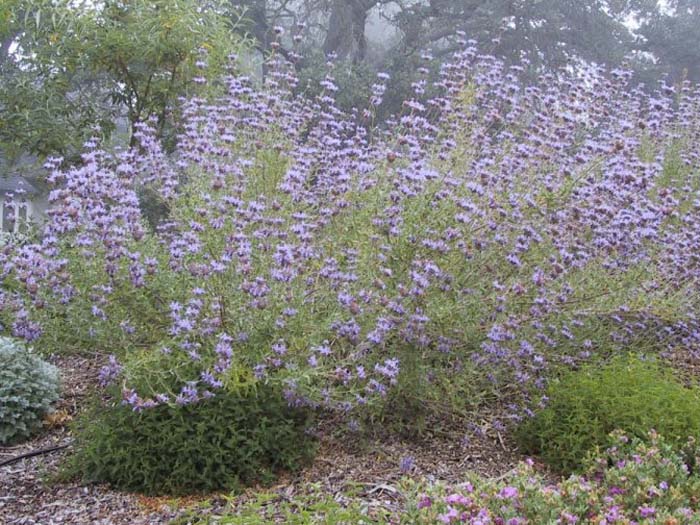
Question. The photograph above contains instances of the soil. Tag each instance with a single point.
(28, 495)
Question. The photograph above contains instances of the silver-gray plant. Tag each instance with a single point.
(28, 387)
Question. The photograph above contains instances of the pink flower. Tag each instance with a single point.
(569, 518)
(425, 502)
(450, 516)
(508, 493)
(457, 499)
(616, 491)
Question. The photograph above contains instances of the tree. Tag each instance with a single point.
(546, 33)
(47, 103)
(8, 30)
(80, 65)
(149, 49)
(671, 35)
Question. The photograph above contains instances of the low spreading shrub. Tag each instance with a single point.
(628, 393)
(28, 387)
(221, 443)
(635, 481)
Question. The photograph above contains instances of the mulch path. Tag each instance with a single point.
(370, 468)
(28, 496)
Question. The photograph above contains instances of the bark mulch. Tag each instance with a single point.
(370, 468)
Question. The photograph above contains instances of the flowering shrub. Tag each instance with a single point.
(629, 394)
(28, 387)
(493, 232)
(632, 482)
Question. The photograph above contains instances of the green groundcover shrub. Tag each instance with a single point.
(629, 393)
(221, 443)
(650, 481)
(28, 387)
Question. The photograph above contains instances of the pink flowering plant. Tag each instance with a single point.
(487, 235)
(643, 482)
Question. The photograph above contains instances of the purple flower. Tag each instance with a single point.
(323, 349)
(389, 369)
(110, 372)
(407, 464)
(425, 502)
(450, 516)
(279, 348)
(508, 493)
(457, 499)
(616, 491)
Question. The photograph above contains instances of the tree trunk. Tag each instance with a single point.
(257, 13)
(346, 30)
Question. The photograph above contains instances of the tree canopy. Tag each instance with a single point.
(546, 33)
(70, 68)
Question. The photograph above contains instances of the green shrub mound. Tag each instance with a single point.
(629, 393)
(28, 387)
(230, 440)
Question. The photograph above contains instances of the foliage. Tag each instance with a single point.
(50, 116)
(242, 436)
(311, 508)
(49, 102)
(496, 235)
(28, 388)
(139, 57)
(150, 52)
(382, 35)
(353, 81)
(670, 36)
(78, 67)
(636, 481)
(628, 393)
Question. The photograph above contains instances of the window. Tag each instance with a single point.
(22, 225)
(13, 216)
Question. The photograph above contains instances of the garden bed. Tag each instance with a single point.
(368, 468)
(449, 281)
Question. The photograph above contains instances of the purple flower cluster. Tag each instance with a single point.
(495, 226)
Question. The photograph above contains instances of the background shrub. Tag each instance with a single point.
(629, 393)
(217, 444)
(28, 388)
